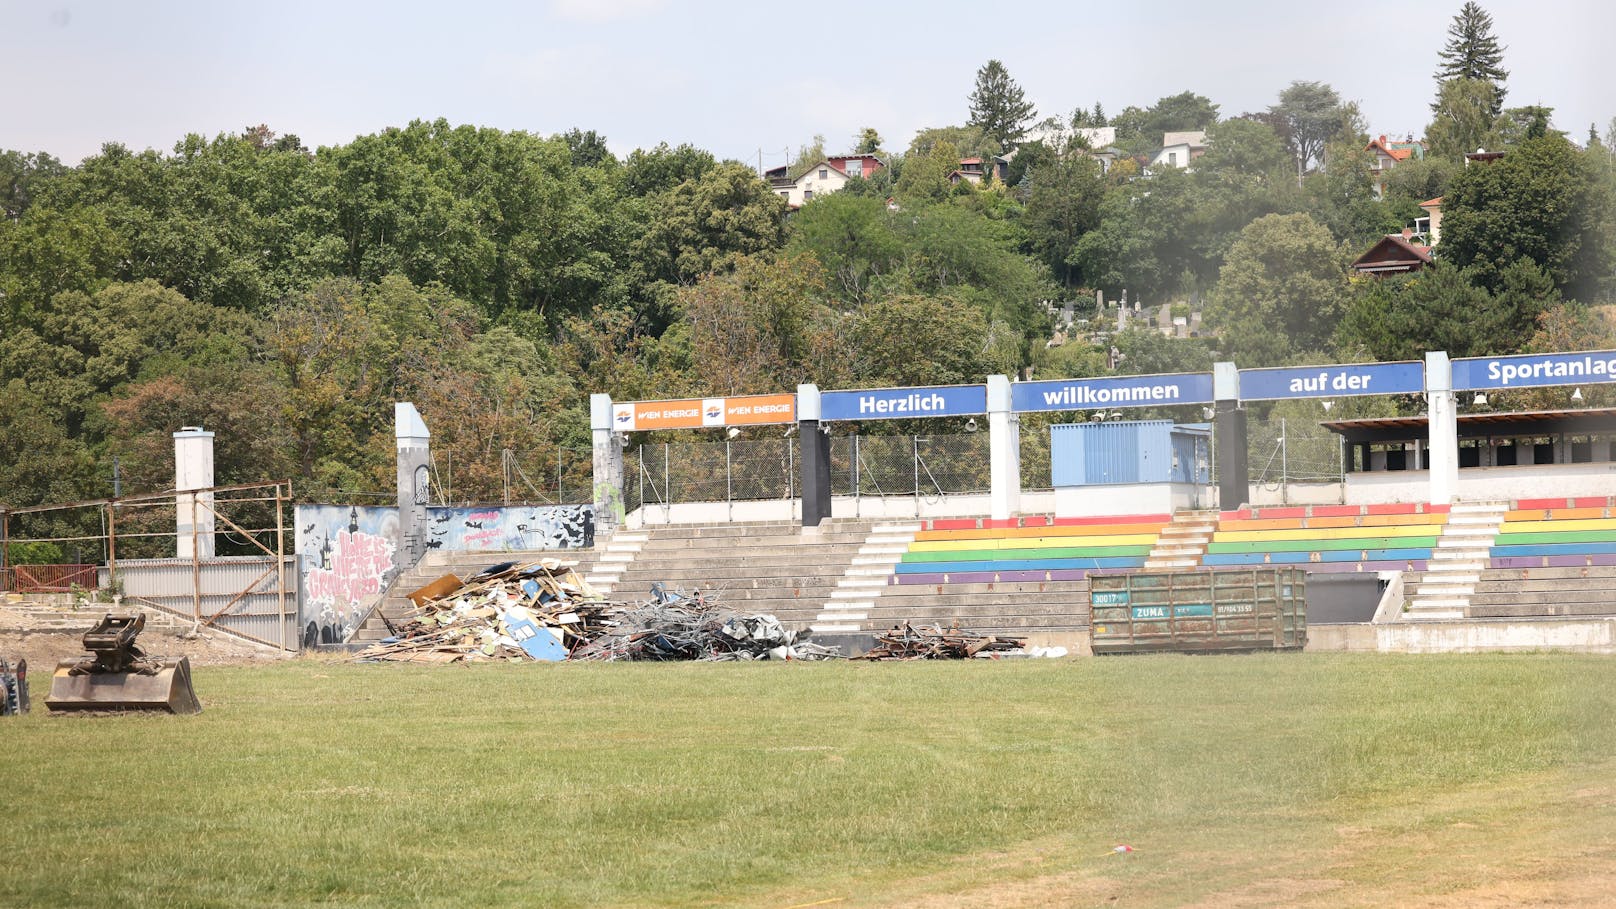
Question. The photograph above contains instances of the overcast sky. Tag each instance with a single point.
(733, 77)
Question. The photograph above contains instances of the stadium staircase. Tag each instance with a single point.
(1183, 542)
(1551, 558)
(1443, 591)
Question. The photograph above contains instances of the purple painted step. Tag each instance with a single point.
(990, 577)
(1565, 561)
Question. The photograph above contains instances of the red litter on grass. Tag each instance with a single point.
(1122, 849)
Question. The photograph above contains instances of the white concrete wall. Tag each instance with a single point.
(1486, 484)
(1130, 498)
(1271, 494)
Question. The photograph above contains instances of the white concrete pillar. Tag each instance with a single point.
(1442, 416)
(193, 515)
(414, 444)
(607, 446)
(1004, 449)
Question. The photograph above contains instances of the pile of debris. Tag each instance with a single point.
(541, 612)
(932, 642)
(671, 626)
(507, 611)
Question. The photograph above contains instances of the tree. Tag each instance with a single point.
(588, 148)
(662, 168)
(998, 106)
(869, 141)
(1139, 131)
(1280, 292)
(1313, 115)
(702, 222)
(1463, 118)
(753, 330)
(807, 156)
(1442, 308)
(853, 239)
(1081, 118)
(925, 176)
(886, 336)
(1061, 202)
(1472, 52)
(1544, 202)
(967, 140)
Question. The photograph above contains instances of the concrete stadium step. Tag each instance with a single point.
(1547, 609)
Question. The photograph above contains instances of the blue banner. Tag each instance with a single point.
(904, 403)
(1332, 381)
(1534, 370)
(1112, 391)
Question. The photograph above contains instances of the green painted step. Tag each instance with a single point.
(1563, 536)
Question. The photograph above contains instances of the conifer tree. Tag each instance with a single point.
(998, 107)
(1473, 52)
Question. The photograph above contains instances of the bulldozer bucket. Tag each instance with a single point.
(165, 687)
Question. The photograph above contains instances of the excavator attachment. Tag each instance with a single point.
(13, 688)
(118, 675)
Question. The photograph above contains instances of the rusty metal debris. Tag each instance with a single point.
(542, 612)
(932, 642)
(671, 626)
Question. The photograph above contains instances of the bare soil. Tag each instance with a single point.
(34, 635)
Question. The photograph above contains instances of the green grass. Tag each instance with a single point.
(773, 785)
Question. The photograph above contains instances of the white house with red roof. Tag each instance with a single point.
(821, 178)
(1389, 154)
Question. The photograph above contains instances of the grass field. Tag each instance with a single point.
(1273, 780)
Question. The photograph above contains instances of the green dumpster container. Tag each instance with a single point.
(1198, 611)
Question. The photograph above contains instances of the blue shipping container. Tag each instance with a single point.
(1139, 451)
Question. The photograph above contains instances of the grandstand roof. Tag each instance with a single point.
(1472, 425)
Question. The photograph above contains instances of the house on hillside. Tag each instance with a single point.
(1389, 154)
(821, 178)
(1102, 144)
(1179, 149)
(1431, 224)
(976, 169)
(1393, 254)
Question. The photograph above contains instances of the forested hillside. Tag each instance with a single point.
(283, 297)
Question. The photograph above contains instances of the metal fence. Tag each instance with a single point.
(1287, 451)
(761, 469)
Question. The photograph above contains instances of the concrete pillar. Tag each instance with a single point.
(414, 484)
(193, 469)
(1442, 416)
(607, 447)
(1004, 451)
(1229, 432)
(815, 459)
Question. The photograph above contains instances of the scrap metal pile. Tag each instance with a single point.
(542, 612)
(932, 642)
(674, 627)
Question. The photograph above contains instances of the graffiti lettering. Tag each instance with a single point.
(359, 563)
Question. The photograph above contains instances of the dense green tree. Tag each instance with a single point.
(760, 327)
(886, 334)
(647, 173)
(999, 108)
(1061, 198)
(1463, 119)
(1543, 202)
(1140, 130)
(1281, 291)
(22, 176)
(588, 148)
(702, 222)
(1473, 52)
(925, 175)
(1313, 115)
(1442, 308)
(1342, 197)
(966, 140)
(869, 142)
(854, 238)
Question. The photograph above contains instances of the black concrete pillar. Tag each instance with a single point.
(1229, 429)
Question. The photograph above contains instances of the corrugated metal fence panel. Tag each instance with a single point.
(258, 613)
(1192, 457)
(1094, 454)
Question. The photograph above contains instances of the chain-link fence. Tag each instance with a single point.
(1292, 451)
(554, 476)
(752, 470)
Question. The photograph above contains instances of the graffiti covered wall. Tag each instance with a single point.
(345, 552)
(345, 557)
(511, 527)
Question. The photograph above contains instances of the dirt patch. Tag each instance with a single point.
(38, 638)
